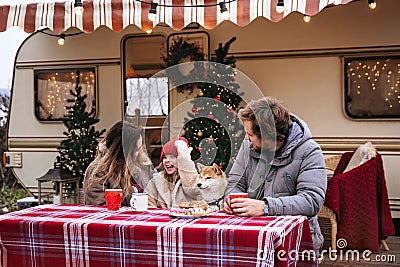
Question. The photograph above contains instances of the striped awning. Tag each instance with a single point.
(118, 14)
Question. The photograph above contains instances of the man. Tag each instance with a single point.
(280, 167)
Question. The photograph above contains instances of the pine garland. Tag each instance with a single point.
(179, 52)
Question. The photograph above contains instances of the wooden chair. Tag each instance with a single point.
(325, 212)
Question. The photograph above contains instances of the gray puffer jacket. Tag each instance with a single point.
(294, 181)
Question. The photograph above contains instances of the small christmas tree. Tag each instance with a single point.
(79, 149)
(213, 128)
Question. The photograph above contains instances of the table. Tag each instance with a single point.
(77, 235)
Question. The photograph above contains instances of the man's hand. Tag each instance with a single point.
(246, 207)
(227, 204)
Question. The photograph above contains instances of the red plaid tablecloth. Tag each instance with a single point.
(82, 236)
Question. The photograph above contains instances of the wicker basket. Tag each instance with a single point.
(332, 162)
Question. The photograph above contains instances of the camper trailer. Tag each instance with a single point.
(340, 72)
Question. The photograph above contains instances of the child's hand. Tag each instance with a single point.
(185, 165)
(183, 148)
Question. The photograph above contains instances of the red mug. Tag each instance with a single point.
(113, 198)
(236, 195)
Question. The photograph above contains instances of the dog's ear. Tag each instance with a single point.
(200, 166)
(217, 170)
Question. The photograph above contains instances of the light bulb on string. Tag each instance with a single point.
(306, 18)
(153, 11)
(372, 4)
(78, 8)
(280, 7)
(224, 11)
(61, 40)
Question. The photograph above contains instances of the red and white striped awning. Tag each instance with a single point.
(118, 14)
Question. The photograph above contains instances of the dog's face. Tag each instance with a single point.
(212, 183)
(208, 175)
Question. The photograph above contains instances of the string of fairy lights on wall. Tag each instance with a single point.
(58, 87)
(367, 76)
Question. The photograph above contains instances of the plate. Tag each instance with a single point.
(188, 216)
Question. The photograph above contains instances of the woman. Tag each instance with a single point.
(120, 163)
(176, 182)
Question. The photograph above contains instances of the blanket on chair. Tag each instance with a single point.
(360, 200)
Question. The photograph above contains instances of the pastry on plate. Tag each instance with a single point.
(191, 208)
(194, 204)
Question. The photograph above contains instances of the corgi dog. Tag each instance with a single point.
(212, 183)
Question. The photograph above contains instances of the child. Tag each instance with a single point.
(176, 182)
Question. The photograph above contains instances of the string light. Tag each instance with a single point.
(152, 15)
(61, 39)
(376, 75)
(372, 4)
(78, 8)
(59, 85)
(224, 11)
(306, 18)
(152, 12)
(280, 6)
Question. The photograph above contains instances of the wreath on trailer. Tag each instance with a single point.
(181, 51)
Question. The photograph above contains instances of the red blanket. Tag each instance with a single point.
(360, 200)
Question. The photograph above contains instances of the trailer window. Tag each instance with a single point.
(150, 95)
(52, 90)
(143, 59)
(372, 87)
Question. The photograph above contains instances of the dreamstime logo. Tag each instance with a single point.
(344, 255)
(331, 254)
(341, 243)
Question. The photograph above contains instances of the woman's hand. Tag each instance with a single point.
(247, 207)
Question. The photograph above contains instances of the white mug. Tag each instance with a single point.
(139, 201)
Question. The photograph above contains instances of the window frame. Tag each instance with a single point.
(346, 96)
(124, 71)
(74, 69)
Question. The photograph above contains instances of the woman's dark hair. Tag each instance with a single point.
(120, 157)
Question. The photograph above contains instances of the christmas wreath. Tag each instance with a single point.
(181, 51)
